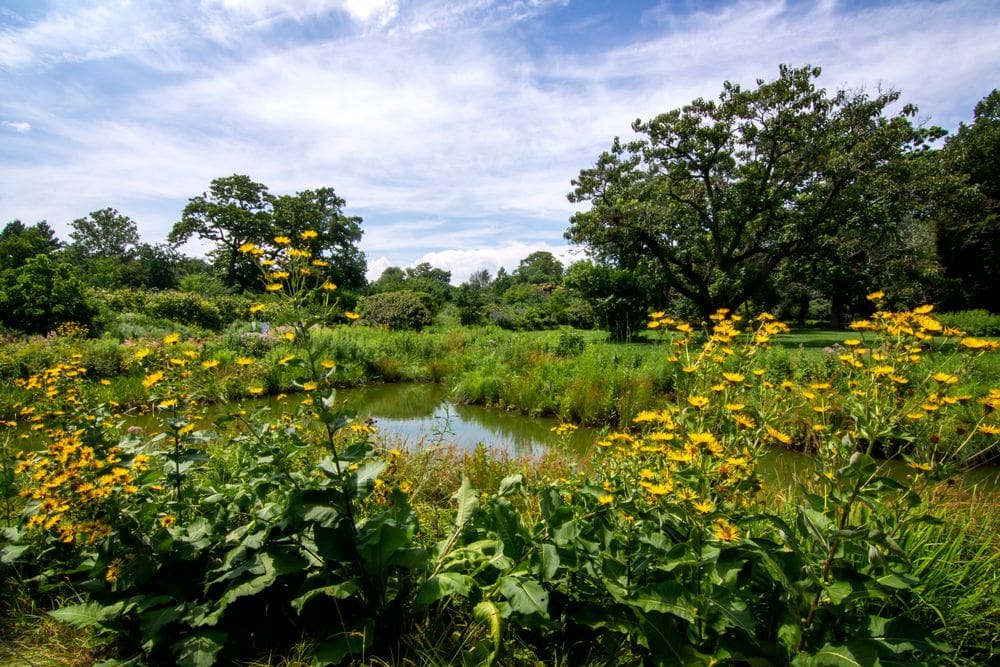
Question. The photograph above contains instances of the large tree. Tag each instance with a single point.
(20, 242)
(719, 194)
(321, 210)
(968, 224)
(234, 211)
(105, 233)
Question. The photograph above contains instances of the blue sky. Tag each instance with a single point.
(452, 127)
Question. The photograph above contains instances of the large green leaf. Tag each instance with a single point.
(667, 597)
(442, 585)
(525, 596)
(87, 614)
(199, 650)
(488, 613)
(468, 503)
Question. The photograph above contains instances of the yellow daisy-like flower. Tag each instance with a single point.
(282, 240)
(167, 404)
(289, 336)
(244, 361)
(698, 401)
(327, 364)
(211, 363)
(273, 287)
(743, 421)
(945, 378)
(923, 310)
(256, 308)
(351, 315)
(168, 520)
(605, 500)
(704, 506)
(328, 286)
(658, 489)
(876, 296)
(852, 342)
(684, 328)
(170, 339)
(310, 386)
(152, 379)
(974, 343)
(783, 438)
(284, 360)
(308, 234)
(733, 377)
(247, 247)
(280, 275)
(255, 390)
(725, 531)
(989, 429)
(320, 263)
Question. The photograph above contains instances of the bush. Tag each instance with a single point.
(973, 322)
(184, 307)
(397, 310)
(41, 295)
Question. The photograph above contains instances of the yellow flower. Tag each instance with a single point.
(783, 438)
(605, 500)
(247, 247)
(309, 386)
(256, 308)
(725, 531)
(279, 275)
(876, 296)
(327, 364)
(974, 343)
(105, 382)
(658, 489)
(243, 361)
(289, 336)
(170, 339)
(308, 234)
(114, 571)
(211, 363)
(284, 360)
(852, 342)
(989, 429)
(923, 310)
(152, 379)
(684, 327)
(704, 506)
(273, 287)
(169, 403)
(168, 520)
(733, 377)
(945, 378)
(328, 286)
(255, 390)
(320, 263)
(282, 240)
(351, 315)
(698, 401)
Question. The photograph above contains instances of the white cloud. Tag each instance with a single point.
(18, 126)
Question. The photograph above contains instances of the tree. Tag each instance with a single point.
(968, 223)
(393, 279)
(720, 194)
(619, 297)
(539, 268)
(105, 233)
(19, 243)
(234, 211)
(321, 210)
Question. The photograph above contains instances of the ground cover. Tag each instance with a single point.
(296, 534)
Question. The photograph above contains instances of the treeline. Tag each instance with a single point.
(780, 198)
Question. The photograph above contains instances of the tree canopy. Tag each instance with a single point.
(718, 195)
(104, 233)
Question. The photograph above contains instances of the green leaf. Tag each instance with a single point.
(442, 585)
(339, 591)
(525, 596)
(333, 651)
(549, 562)
(666, 597)
(857, 654)
(487, 612)
(199, 650)
(510, 485)
(468, 503)
(87, 614)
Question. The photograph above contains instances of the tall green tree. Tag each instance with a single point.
(105, 233)
(720, 194)
(20, 242)
(42, 294)
(321, 210)
(235, 210)
(968, 222)
(539, 268)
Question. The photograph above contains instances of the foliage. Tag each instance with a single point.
(42, 294)
(104, 233)
(19, 243)
(184, 307)
(719, 194)
(201, 544)
(968, 221)
(973, 322)
(397, 310)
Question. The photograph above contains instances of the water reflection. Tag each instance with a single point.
(422, 413)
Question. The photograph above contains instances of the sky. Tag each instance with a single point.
(452, 127)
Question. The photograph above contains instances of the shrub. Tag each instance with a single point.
(397, 310)
(184, 307)
(42, 294)
(973, 322)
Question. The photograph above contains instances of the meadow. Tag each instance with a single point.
(298, 536)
